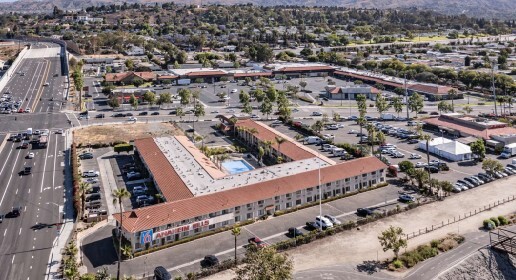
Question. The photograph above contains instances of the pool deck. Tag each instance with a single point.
(195, 169)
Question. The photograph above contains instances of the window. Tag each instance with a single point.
(309, 199)
(347, 179)
(237, 219)
(364, 175)
(310, 189)
(237, 208)
(348, 189)
(289, 204)
(298, 192)
(249, 205)
(197, 230)
(225, 211)
(288, 195)
(212, 215)
(373, 173)
(225, 223)
(277, 208)
(249, 215)
(276, 198)
(186, 233)
(211, 226)
(261, 212)
(337, 191)
(298, 201)
(260, 202)
(382, 179)
(328, 184)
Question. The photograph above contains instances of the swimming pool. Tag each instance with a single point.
(236, 166)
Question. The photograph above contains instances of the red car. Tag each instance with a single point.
(20, 111)
(257, 241)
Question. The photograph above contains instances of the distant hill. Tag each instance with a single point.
(477, 8)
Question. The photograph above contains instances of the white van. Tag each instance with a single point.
(339, 152)
(312, 139)
(90, 173)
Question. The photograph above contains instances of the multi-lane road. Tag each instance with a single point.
(26, 241)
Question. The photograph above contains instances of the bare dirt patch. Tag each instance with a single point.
(8, 51)
(106, 134)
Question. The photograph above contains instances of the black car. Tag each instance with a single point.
(100, 116)
(209, 261)
(93, 190)
(172, 112)
(364, 212)
(413, 141)
(129, 114)
(160, 273)
(15, 212)
(27, 170)
(119, 115)
(155, 113)
(432, 169)
(86, 156)
(143, 114)
(311, 226)
(293, 232)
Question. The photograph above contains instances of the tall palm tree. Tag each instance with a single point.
(427, 138)
(371, 130)
(83, 189)
(279, 140)
(235, 232)
(118, 196)
(452, 93)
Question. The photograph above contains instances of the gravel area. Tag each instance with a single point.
(486, 265)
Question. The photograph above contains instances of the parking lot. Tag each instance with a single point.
(95, 198)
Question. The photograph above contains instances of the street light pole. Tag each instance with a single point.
(494, 88)
(406, 96)
(320, 196)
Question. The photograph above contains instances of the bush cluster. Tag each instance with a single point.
(494, 222)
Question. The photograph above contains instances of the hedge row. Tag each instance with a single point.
(191, 238)
(494, 222)
(310, 204)
(76, 179)
(101, 145)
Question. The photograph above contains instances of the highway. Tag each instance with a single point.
(26, 241)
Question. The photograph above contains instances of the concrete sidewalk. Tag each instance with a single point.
(109, 183)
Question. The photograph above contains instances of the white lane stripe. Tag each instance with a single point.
(10, 178)
(44, 170)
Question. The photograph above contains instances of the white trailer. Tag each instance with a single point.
(509, 150)
(183, 82)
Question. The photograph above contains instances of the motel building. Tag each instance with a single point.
(199, 196)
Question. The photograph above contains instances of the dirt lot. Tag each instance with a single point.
(8, 51)
(123, 132)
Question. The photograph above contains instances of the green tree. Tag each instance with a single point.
(405, 165)
(83, 189)
(446, 186)
(444, 107)
(362, 109)
(318, 126)
(164, 98)
(129, 64)
(302, 84)
(118, 196)
(184, 95)
(398, 105)
(133, 101)
(113, 102)
(452, 94)
(371, 130)
(421, 176)
(235, 231)
(150, 97)
(393, 239)
(264, 263)
(416, 103)
(266, 107)
(467, 109)
(381, 104)
(491, 166)
(244, 97)
(478, 149)
(380, 136)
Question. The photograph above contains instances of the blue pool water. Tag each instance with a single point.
(236, 166)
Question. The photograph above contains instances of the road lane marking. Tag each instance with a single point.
(5, 232)
(10, 177)
(12, 261)
(20, 231)
(44, 170)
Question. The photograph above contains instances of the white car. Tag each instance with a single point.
(27, 110)
(332, 219)
(132, 119)
(421, 164)
(328, 136)
(323, 222)
(30, 155)
(352, 131)
(315, 113)
(414, 156)
(59, 131)
(234, 90)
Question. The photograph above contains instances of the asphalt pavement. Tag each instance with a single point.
(26, 241)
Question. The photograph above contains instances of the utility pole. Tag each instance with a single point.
(494, 88)
(406, 96)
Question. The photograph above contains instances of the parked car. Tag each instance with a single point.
(420, 164)
(323, 222)
(466, 183)
(432, 169)
(315, 113)
(155, 114)
(414, 156)
(332, 219)
(257, 241)
(143, 114)
(311, 226)
(133, 175)
(472, 181)
(406, 198)
(209, 261)
(160, 273)
(364, 212)
(293, 232)
(86, 156)
(90, 173)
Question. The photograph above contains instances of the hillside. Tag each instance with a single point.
(477, 8)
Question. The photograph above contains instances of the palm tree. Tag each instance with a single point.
(261, 153)
(235, 232)
(83, 189)
(119, 195)
(452, 93)
(221, 159)
(427, 138)
(371, 130)
(279, 140)
(159, 197)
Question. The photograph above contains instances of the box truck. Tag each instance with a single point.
(509, 150)
(387, 117)
(183, 82)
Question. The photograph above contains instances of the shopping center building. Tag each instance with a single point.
(201, 195)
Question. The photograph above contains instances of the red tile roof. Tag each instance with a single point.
(117, 77)
(432, 89)
(170, 212)
(169, 182)
(206, 73)
(287, 148)
(481, 133)
(253, 74)
(306, 68)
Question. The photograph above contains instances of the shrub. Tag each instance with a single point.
(397, 264)
(435, 243)
(426, 251)
(503, 220)
(123, 148)
(411, 258)
(447, 244)
(486, 224)
(495, 220)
